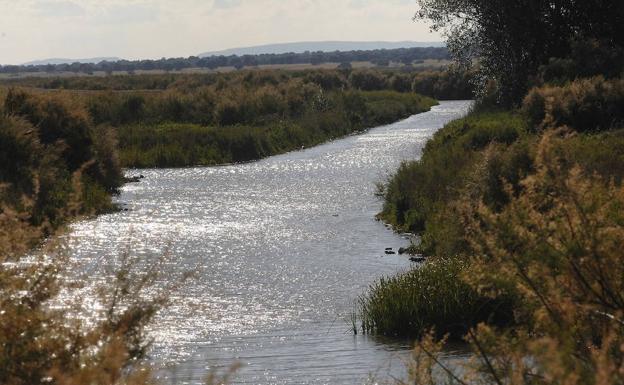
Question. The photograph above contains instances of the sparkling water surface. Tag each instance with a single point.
(280, 248)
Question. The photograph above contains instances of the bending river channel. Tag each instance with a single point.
(280, 249)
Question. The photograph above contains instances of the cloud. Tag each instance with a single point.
(58, 9)
(127, 14)
(221, 4)
(359, 3)
(137, 29)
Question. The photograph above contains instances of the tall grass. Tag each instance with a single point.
(326, 116)
(417, 196)
(557, 244)
(431, 296)
(188, 120)
(47, 144)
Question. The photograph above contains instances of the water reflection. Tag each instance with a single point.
(281, 248)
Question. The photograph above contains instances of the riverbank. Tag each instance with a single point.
(509, 205)
(319, 206)
(59, 166)
(182, 120)
(339, 114)
(67, 141)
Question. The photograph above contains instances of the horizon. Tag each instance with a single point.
(226, 51)
(153, 29)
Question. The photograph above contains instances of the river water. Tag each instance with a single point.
(280, 248)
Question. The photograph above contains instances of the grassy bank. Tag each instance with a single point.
(208, 119)
(55, 165)
(341, 113)
(529, 203)
(411, 303)
(483, 155)
(61, 157)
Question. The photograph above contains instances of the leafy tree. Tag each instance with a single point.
(512, 38)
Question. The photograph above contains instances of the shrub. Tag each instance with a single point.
(420, 188)
(589, 57)
(367, 80)
(586, 105)
(42, 339)
(558, 246)
(53, 153)
(431, 296)
(326, 116)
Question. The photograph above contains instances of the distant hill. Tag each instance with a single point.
(57, 61)
(376, 57)
(324, 46)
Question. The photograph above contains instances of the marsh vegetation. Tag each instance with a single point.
(525, 194)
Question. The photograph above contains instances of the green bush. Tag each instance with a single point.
(54, 165)
(431, 296)
(327, 116)
(450, 158)
(585, 105)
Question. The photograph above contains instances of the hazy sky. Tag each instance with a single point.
(137, 29)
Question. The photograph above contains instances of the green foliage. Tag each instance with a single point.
(416, 197)
(55, 164)
(509, 41)
(368, 81)
(544, 250)
(406, 56)
(444, 85)
(588, 58)
(325, 116)
(430, 296)
(54, 167)
(586, 105)
(483, 155)
(55, 122)
(183, 120)
(558, 245)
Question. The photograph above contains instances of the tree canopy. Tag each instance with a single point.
(510, 39)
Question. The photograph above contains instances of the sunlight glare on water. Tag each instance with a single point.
(281, 248)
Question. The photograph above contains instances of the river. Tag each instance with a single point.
(280, 248)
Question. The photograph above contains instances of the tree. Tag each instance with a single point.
(511, 39)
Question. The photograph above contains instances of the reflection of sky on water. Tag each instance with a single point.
(280, 248)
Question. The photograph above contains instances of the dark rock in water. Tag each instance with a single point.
(417, 258)
(132, 179)
(388, 248)
(390, 252)
(335, 215)
(141, 176)
(402, 250)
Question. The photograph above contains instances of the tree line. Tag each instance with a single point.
(382, 57)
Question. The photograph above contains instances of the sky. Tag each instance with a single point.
(151, 29)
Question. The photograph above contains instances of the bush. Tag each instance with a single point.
(431, 296)
(557, 245)
(326, 116)
(587, 58)
(420, 188)
(53, 155)
(585, 105)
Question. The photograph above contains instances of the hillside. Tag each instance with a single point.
(324, 46)
(57, 61)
